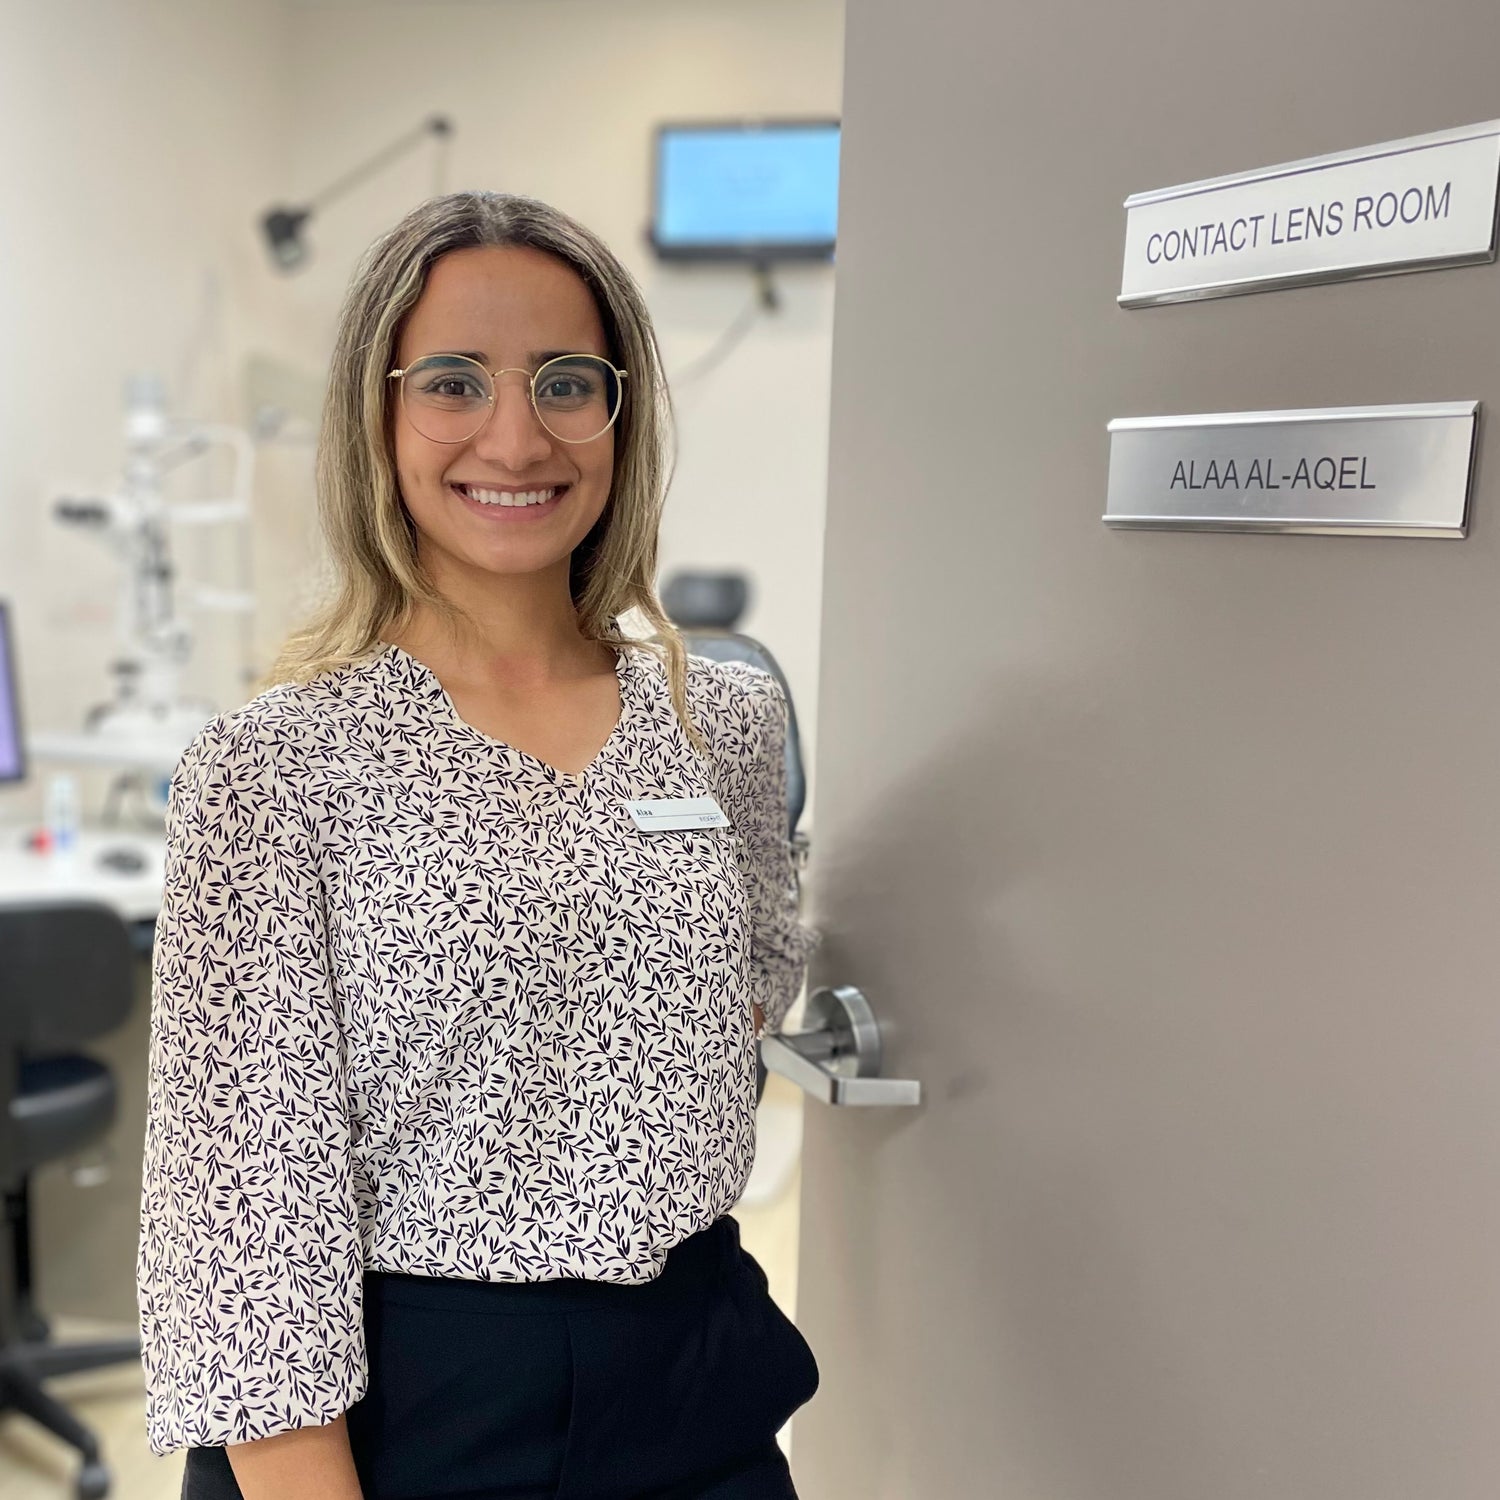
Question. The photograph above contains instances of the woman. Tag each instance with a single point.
(452, 1055)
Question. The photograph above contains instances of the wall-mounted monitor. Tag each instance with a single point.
(756, 191)
(12, 751)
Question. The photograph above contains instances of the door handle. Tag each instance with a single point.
(837, 1057)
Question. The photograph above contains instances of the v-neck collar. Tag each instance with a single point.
(424, 680)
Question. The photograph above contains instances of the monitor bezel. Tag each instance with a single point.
(8, 666)
(754, 252)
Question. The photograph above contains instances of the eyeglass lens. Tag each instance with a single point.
(448, 398)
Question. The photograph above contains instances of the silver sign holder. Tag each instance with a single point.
(1350, 470)
(1409, 205)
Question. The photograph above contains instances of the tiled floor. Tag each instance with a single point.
(91, 1269)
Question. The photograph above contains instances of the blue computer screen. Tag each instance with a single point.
(12, 765)
(747, 188)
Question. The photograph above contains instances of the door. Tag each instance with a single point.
(1169, 861)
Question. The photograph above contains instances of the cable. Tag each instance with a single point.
(765, 300)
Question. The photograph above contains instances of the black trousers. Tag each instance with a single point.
(573, 1390)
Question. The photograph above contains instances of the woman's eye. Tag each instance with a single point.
(451, 387)
(566, 388)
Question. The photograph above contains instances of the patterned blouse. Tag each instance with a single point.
(423, 1003)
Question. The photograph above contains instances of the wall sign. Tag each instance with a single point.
(1405, 206)
(1362, 470)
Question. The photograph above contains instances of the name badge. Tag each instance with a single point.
(661, 814)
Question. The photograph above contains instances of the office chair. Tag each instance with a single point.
(67, 973)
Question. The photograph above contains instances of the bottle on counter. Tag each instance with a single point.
(61, 814)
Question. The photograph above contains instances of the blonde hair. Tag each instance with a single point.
(370, 538)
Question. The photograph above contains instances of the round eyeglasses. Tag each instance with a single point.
(449, 397)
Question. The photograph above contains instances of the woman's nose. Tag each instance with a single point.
(514, 437)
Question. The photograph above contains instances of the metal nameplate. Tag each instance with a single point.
(1360, 470)
(1407, 205)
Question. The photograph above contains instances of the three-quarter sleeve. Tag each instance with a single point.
(755, 787)
(249, 1270)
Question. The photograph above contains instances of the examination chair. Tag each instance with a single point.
(67, 973)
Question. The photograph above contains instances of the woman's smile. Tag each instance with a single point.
(511, 502)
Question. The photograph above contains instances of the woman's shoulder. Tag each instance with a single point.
(734, 700)
(737, 684)
(283, 726)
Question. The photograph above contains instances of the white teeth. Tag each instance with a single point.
(503, 497)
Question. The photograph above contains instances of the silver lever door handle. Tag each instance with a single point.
(837, 1058)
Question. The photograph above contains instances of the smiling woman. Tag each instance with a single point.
(424, 291)
(452, 1078)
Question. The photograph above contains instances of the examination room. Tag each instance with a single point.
(744, 750)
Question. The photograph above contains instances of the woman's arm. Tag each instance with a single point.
(308, 1463)
(249, 1269)
(754, 785)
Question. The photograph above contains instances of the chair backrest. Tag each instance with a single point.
(731, 645)
(67, 973)
(706, 601)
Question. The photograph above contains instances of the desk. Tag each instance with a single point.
(135, 894)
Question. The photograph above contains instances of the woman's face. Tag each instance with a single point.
(510, 307)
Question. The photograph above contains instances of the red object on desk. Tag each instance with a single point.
(39, 842)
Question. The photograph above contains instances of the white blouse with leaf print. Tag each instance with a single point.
(422, 1003)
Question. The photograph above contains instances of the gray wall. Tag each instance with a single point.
(1171, 861)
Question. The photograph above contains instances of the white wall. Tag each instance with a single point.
(145, 137)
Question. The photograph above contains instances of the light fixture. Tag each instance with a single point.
(283, 224)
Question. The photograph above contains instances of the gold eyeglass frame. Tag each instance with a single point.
(621, 375)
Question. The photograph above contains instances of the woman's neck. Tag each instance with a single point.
(520, 636)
